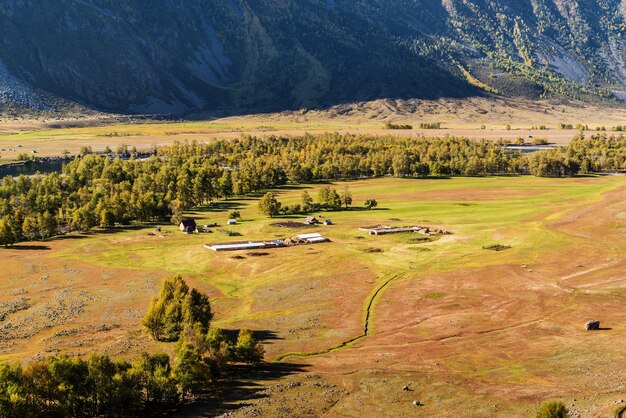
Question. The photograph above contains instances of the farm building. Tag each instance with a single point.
(238, 246)
(311, 220)
(310, 238)
(303, 239)
(187, 226)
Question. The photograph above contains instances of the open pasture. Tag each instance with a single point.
(472, 332)
(475, 118)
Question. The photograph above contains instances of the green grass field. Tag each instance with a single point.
(462, 323)
(480, 212)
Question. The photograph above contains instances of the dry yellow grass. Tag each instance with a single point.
(458, 117)
(465, 328)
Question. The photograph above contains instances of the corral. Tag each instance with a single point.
(384, 230)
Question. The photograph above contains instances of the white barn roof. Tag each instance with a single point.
(241, 246)
(309, 236)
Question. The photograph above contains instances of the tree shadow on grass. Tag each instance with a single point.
(70, 237)
(221, 206)
(259, 335)
(243, 384)
(293, 187)
(27, 247)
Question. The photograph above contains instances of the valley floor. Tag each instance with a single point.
(471, 332)
(51, 136)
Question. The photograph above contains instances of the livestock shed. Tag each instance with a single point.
(310, 238)
(238, 246)
(187, 226)
(303, 239)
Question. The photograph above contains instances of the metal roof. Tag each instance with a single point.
(309, 236)
(247, 245)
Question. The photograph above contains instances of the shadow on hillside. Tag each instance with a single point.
(244, 384)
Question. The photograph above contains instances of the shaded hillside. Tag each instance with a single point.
(171, 56)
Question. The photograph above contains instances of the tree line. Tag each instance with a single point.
(152, 385)
(328, 199)
(96, 191)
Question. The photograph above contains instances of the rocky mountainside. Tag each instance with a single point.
(175, 56)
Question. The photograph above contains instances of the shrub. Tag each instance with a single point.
(553, 409)
(371, 203)
(397, 126)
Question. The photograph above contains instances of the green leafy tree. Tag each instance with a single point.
(160, 386)
(175, 307)
(74, 387)
(6, 233)
(346, 197)
(269, 205)
(307, 202)
(164, 318)
(30, 228)
(334, 200)
(248, 349)
(197, 310)
(371, 203)
(190, 368)
(323, 195)
(226, 184)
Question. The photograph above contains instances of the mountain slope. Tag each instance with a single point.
(174, 56)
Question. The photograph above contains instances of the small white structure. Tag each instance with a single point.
(315, 238)
(232, 222)
(236, 246)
